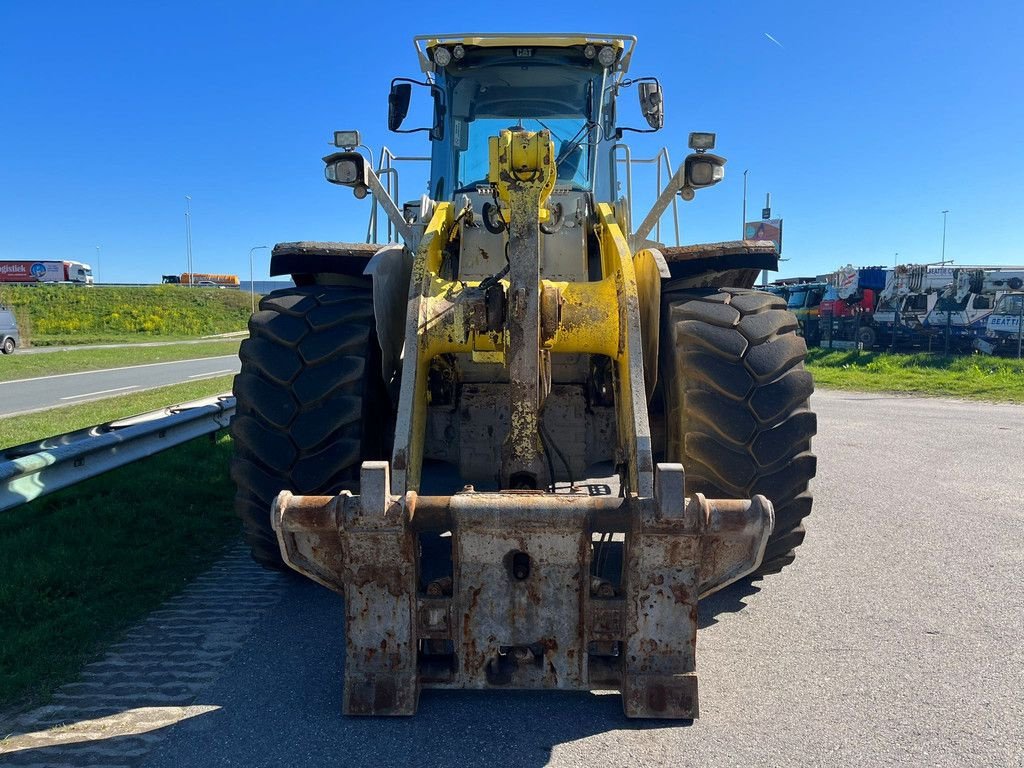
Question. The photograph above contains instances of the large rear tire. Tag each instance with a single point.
(310, 403)
(736, 404)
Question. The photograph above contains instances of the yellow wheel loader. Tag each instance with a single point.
(523, 437)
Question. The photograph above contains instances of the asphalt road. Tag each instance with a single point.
(893, 640)
(40, 393)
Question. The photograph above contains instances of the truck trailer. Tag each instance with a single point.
(31, 271)
(202, 279)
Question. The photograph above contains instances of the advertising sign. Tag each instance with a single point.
(31, 271)
(766, 229)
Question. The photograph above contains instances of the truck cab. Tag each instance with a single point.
(1003, 329)
(964, 317)
(77, 272)
(903, 316)
(805, 302)
(849, 318)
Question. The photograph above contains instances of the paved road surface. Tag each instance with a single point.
(40, 393)
(893, 640)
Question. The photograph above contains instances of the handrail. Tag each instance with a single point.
(628, 160)
(388, 175)
(35, 469)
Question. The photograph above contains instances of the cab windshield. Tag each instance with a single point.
(1010, 305)
(530, 89)
(797, 299)
(568, 134)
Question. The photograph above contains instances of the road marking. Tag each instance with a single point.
(122, 368)
(101, 392)
(212, 373)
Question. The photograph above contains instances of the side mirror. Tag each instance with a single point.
(398, 107)
(652, 104)
(398, 104)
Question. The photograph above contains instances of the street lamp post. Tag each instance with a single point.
(188, 238)
(97, 279)
(944, 236)
(252, 282)
(743, 224)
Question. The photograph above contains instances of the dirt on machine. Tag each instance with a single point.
(522, 434)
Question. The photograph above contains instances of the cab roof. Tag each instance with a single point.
(624, 44)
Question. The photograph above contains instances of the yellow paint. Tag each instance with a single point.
(594, 315)
(488, 357)
(529, 41)
(527, 160)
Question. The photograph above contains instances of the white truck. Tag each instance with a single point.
(1004, 331)
(35, 271)
(910, 293)
(964, 308)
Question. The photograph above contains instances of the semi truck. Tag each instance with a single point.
(32, 271)
(203, 279)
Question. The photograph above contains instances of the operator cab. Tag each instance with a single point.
(557, 89)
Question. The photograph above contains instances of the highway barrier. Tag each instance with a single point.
(36, 469)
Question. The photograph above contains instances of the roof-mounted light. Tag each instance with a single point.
(702, 141)
(606, 57)
(590, 51)
(458, 52)
(442, 56)
(346, 139)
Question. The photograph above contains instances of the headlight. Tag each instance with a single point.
(347, 169)
(704, 173)
(342, 172)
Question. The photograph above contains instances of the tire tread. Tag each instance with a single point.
(737, 405)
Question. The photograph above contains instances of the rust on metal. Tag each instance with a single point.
(521, 608)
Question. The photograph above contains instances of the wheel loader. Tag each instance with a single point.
(520, 434)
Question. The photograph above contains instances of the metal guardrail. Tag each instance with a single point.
(36, 469)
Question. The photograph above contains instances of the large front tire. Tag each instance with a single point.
(736, 404)
(310, 403)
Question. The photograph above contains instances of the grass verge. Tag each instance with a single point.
(15, 430)
(974, 377)
(62, 314)
(85, 563)
(72, 361)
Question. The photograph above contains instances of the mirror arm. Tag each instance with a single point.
(621, 130)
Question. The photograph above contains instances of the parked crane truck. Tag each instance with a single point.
(523, 439)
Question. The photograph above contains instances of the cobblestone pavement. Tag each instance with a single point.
(122, 704)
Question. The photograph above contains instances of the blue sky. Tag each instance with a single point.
(868, 120)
